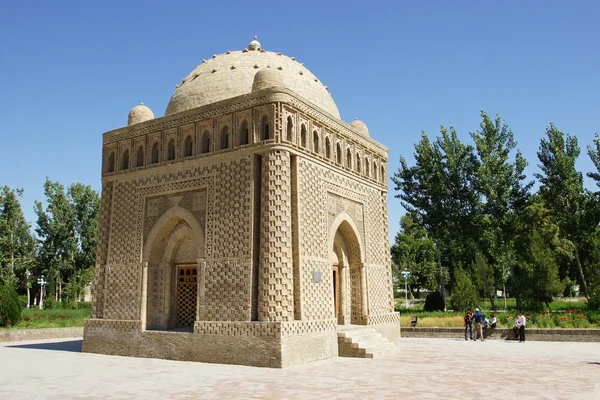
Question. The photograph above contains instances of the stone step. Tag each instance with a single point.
(362, 342)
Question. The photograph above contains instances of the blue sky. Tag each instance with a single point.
(71, 70)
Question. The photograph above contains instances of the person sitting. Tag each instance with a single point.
(519, 328)
(493, 322)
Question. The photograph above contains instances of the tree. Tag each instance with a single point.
(464, 294)
(17, 245)
(500, 187)
(68, 231)
(539, 245)
(594, 153)
(438, 189)
(414, 251)
(562, 187)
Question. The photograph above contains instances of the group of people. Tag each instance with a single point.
(482, 324)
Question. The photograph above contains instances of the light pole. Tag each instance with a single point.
(42, 283)
(27, 275)
(406, 275)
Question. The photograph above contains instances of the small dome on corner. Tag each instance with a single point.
(139, 114)
(361, 127)
(266, 78)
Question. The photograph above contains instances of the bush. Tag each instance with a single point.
(464, 294)
(594, 300)
(434, 302)
(50, 303)
(10, 310)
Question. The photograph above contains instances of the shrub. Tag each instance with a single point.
(464, 294)
(434, 302)
(10, 310)
(50, 303)
(594, 300)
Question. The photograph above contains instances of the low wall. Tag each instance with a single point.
(14, 335)
(537, 334)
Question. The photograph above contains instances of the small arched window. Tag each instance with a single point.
(290, 129)
(338, 153)
(382, 176)
(366, 166)
(264, 128)
(171, 150)
(139, 157)
(303, 136)
(375, 171)
(125, 160)
(154, 157)
(205, 146)
(327, 148)
(316, 148)
(358, 163)
(348, 158)
(111, 162)
(225, 138)
(188, 146)
(244, 133)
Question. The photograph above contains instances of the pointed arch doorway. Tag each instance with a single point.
(347, 272)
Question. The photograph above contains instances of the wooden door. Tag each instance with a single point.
(187, 290)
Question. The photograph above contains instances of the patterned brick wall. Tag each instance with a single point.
(102, 250)
(276, 292)
(123, 299)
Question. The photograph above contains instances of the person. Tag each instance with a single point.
(519, 328)
(493, 322)
(479, 319)
(469, 324)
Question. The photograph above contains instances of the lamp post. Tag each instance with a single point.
(27, 275)
(406, 275)
(42, 283)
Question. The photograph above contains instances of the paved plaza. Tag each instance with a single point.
(417, 368)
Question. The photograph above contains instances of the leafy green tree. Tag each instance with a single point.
(17, 244)
(67, 228)
(561, 186)
(415, 252)
(464, 293)
(539, 245)
(501, 190)
(594, 153)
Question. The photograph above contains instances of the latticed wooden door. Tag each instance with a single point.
(187, 289)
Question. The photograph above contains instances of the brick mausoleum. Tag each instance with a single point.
(246, 226)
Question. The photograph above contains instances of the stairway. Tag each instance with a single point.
(362, 342)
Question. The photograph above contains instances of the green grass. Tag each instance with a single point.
(34, 318)
(560, 314)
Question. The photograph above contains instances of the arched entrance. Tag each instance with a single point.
(172, 251)
(348, 275)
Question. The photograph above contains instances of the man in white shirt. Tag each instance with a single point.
(519, 328)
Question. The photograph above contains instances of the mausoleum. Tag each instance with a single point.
(248, 225)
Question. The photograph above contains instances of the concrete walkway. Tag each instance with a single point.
(417, 368)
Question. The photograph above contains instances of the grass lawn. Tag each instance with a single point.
(34, 318)
(566, 313)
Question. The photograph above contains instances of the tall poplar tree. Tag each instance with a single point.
(499, 182)
(562, 188)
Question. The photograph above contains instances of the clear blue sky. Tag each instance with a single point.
(71, 70)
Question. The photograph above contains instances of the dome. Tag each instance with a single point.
(361, 127)
(266, 78)
(233, 74)
(139, 114)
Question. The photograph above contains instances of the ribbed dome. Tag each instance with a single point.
(139, 114)
(232, 74)
(361, 127)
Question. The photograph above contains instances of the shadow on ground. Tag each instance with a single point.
(68, 345)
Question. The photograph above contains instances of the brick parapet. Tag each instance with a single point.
(535, 334)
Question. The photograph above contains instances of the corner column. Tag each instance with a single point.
(276, 281)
